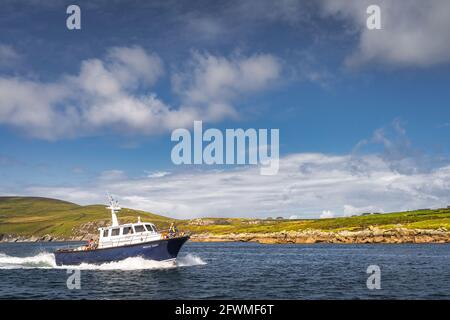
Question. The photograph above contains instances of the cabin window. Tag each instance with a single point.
(105, 233)
(127, 230)
(149, 228)
(139, 228)
(115, 232)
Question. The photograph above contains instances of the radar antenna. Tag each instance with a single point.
(115, 208)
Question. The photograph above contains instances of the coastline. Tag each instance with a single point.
(369, 235)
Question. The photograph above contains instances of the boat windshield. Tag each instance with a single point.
(150, 228)
(139, 228)
(127, 230)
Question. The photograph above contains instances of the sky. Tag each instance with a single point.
(363, 115)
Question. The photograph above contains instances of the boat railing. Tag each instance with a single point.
(143, 237)
(167, 234)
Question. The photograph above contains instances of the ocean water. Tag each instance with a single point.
(236, 271)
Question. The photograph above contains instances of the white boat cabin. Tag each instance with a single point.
(126, 234)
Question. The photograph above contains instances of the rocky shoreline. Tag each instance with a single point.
(45, 238)
(370, 235)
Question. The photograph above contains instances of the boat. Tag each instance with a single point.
(121, 241)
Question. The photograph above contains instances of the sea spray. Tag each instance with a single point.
(46, 260)
(190, 260)
(41, 260)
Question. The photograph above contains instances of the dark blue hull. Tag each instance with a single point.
(159, 250)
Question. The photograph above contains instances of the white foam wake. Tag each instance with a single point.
(46, 260)
(41, 260)
(190, 260)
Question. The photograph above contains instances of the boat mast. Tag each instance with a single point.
(114, 207)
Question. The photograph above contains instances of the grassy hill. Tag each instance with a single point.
(40, 216)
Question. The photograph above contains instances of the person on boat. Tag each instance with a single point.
(172, 229)
(90, 244)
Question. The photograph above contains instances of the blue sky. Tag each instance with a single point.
(88, 111)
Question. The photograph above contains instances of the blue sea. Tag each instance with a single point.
(235, 271)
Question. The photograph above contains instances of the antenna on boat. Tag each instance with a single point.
(114, 207)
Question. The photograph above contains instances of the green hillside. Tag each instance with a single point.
(419, 219)
(40, 216)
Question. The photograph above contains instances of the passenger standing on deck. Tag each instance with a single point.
(90, 244)
(172, 229)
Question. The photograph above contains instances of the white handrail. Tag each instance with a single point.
(133, 239)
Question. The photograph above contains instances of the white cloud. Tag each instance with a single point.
(351, 210)
(112, 175)
(132, 64)
(115, 94)
(326, 214)
(414, 32)
(156, 174)
(215, 82)
(28, 105)
(306, 186)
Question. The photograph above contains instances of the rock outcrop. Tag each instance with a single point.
(21, 238)
(369, 235)
(88, 230)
